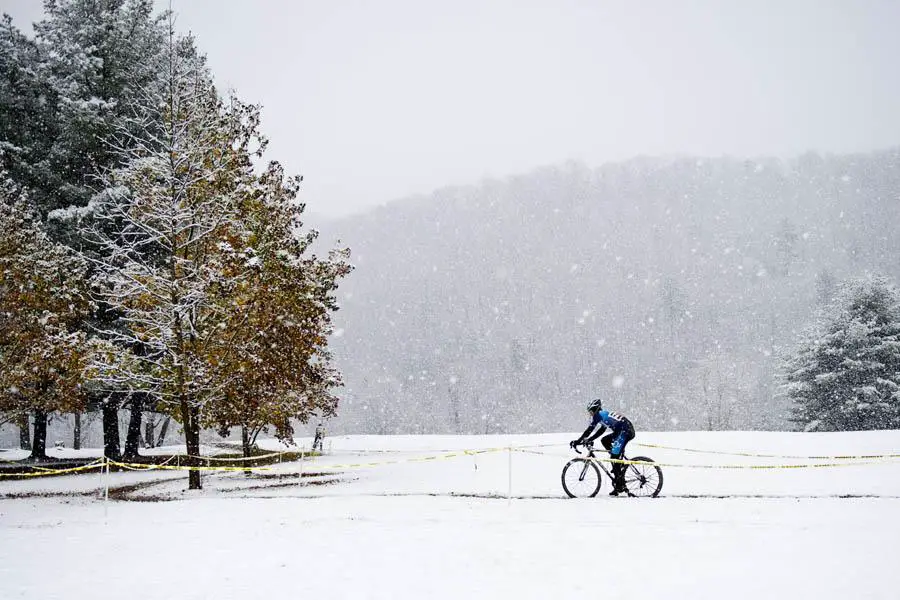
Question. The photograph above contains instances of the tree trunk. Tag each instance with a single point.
(24, 434)
(133, 437)
(245, 446)
(111, 428)
(162, 432)
(149, 430)
(76, 433)
(191, 417)
(39, 448)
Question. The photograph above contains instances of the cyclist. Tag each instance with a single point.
(622, 433)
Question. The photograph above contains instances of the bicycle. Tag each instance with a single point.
(581, 476)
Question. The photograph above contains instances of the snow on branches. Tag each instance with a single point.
(846, 375)
(195, 278)
(43, 299)
(223, 315)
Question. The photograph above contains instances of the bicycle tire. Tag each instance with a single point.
(643, 481)
(584, 478)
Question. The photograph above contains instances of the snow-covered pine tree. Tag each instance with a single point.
(43, 299)
(94, 57)
(164, 228)
(27, 108)
(275, 360)
(846, 376)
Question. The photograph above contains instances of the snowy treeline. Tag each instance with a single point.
(146, 260)
(673, 288)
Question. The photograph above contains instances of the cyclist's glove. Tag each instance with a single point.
(574, 443)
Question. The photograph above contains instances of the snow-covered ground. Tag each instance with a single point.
(443, 527)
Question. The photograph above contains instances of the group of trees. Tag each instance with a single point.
(146, 255)
(150, 259)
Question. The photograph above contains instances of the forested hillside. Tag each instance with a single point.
(669, 287)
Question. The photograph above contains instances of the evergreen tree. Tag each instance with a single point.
(95, 56)
(63, 93)
(847, 375)
(28, 112)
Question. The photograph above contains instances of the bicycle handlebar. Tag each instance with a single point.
(587, 445)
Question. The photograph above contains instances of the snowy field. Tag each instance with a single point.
(444, 528)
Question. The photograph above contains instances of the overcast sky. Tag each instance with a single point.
(373, 101)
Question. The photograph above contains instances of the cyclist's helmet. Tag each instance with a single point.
(594, 405)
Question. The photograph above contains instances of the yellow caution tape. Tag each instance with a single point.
(151, 467)
(859, 460)
(408, 450)
(454, 454)
(692, 466)
(757, 455)
(523, 449)
(763, 467)
(260, 457)
(42, 471)
(100, 463)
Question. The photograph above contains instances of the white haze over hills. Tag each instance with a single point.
(669, 287)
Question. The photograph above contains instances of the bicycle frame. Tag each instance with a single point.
(599, 462)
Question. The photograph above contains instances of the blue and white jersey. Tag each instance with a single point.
(615, 421)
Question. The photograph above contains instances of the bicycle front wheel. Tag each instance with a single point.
(581, 478)
(644, 480)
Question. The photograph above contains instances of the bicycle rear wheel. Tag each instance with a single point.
(643, 480)
(581, 478)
